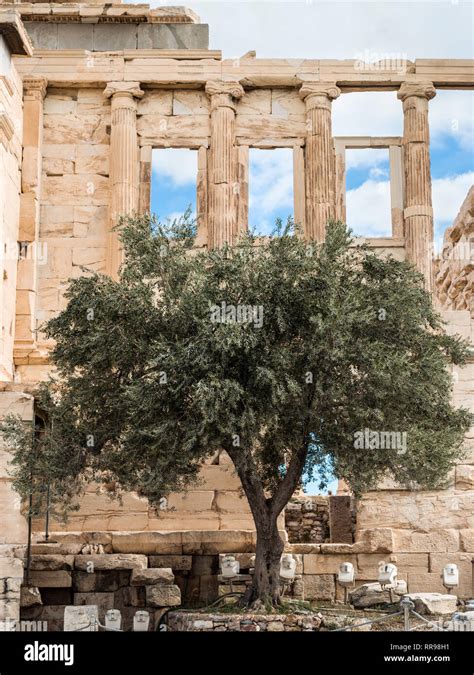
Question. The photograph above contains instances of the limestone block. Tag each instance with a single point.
(415, 510)
(88, 257)
(16, 403)
(50, 216)
(57, 167)
(57, 579)
(92, 101)
(190, 102)
(11, 567)
(231, 501)
(425, 582)
(169, 543)
(374, 540)
(152, 576)
(218, 477)
(437, 541)
(202, 542)
(325, 564)
(192, 500)
(319, 587)
(163, 596)
(255, 102)
(59, 263)
(467, 540)
(110, 561)
(57, 104)
(93, 159)
(103, 601)
(286, 102)
(13, 524)
(410, 561)
(52, 562)
(235, 521)
(105, 581)
(82, 189)
(9, 609)
(64, 549)
(184, 520)
(74, 129)
(175, 129)
(262, 127)
(178, 563)
(30, 596)
(64, 151)
(96, 217)
(433, 603)
(465, 477)
(371, 595)
(156, 102)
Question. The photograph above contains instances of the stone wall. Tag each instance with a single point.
(11, 578)
(307, 519)
(215, 502)
(12, 40)
(432, 528)
(245, 623)
(121, 581)
(454, 270)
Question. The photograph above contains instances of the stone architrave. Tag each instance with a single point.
(223, 183)
(418, 211)
(320, 163)
(124, 171)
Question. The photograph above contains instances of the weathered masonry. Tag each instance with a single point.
(87, 91)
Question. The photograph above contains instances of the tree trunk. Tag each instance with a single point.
(266, 579)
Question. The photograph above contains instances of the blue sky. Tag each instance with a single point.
(339, 30)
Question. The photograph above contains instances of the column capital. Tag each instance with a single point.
(324, 90)
(35, 87)
(420, 89)
(224, 92)
(131, 89)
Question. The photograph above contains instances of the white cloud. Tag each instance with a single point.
(368, 206)
(368, 209)
(448, 195)
(177, 164)
(367, 158)
(271, 180)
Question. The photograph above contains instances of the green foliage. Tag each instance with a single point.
(148, 385)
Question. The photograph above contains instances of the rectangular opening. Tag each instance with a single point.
(271, 194)
(368, 199)
(173, 182)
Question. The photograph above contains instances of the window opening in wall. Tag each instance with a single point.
(173, 183)
(451, 120)
(270, 188)
(368, 202)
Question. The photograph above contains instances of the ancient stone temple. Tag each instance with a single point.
(87, 91)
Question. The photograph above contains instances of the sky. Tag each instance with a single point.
(337, 30)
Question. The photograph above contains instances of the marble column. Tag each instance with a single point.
(124, 171)
(319, 157)
(418, 212)
(34, 91)
(223, 185)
